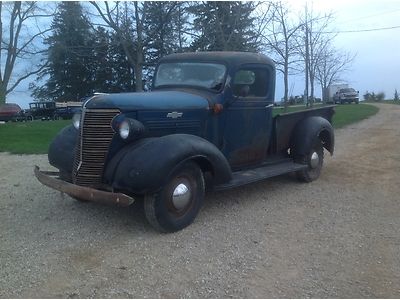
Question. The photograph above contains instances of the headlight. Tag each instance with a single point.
(127, 128)
(124, 129)
(76, 120)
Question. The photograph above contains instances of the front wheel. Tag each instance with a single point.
(314, 160)
(177, 204)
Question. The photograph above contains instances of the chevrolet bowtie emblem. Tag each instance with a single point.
(174, 115)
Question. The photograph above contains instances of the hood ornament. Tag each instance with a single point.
(174, 115)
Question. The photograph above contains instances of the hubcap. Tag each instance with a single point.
(181, 196)
(314, 161)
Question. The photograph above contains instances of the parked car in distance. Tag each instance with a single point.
(9, 111)
(44, 110)
(346, 95)
(67, 112)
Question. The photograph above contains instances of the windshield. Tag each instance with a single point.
(348, 90)
(205, 75)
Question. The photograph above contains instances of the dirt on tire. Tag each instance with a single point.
(337, 237)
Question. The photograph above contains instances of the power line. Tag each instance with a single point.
(371, 16)
(364, 30)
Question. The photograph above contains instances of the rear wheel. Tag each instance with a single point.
(314, 160)
(177, 204)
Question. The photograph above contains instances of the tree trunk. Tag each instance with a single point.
(2, 94)
(286, 84)
(139, 52)
(312, 89)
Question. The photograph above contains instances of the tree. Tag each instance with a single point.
(396, 95)
(69, 56)
(280, 38)
(223, 26)
(102, 61)
(129, 32)
(19, 43)
(312, 44)
(165, 31)
(331, 64)
(164, 26)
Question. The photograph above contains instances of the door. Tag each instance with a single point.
(248, 125)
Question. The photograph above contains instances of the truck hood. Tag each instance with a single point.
(159, 100)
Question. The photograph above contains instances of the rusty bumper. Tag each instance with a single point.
(85, 193)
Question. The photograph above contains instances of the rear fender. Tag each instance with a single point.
(306, 133)
(145, 166)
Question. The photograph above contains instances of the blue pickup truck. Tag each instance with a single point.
(207, 123)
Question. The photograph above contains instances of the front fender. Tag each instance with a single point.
(307, 131)
(61, 151)
(146, 165)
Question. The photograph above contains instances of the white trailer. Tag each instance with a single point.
(333, 88)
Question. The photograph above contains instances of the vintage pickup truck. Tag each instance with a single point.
(208, 121)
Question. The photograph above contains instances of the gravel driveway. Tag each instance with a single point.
(336, 237)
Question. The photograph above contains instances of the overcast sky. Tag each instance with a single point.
(377, 64)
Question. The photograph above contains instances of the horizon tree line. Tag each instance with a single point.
(113, 46)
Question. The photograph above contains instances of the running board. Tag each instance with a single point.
(249, 176)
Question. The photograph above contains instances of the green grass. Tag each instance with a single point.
(29, 137)
(352, 113)
(35, 137)
(389, 102)
(344, 114)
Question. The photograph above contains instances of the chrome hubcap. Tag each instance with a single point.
(181, 196)
(314, 161)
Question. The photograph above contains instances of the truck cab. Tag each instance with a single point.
(208, 121)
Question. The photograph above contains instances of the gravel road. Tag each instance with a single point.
(337, 237)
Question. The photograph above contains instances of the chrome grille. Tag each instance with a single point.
(94, 140)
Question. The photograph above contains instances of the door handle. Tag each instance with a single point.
(269, 105)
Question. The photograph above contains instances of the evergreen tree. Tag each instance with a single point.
(396, 95)
(163, 24)
(224, 26)
(123, 79)
(101, 62)
(69, 56)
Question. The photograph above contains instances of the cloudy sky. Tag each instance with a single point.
(377, 64)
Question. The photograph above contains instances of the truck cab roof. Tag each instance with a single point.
(230, 58)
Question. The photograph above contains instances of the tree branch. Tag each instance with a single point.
(24, 77)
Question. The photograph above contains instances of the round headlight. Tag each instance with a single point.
(124, 129)
(76, 120)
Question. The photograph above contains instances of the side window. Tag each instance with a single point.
(251, 82)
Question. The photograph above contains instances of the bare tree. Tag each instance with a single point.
(312, 44)
(332, 63)
(280, 38)
(112, 16)
(19, 33)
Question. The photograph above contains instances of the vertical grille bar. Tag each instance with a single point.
(92, 147)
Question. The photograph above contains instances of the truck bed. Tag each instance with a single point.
(283, 124)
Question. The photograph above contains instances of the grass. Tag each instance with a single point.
(390, 102)
(344, 114)
(29, 137)
(352, 113)
(35, 137)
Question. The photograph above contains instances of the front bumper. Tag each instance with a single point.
(50, 179)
